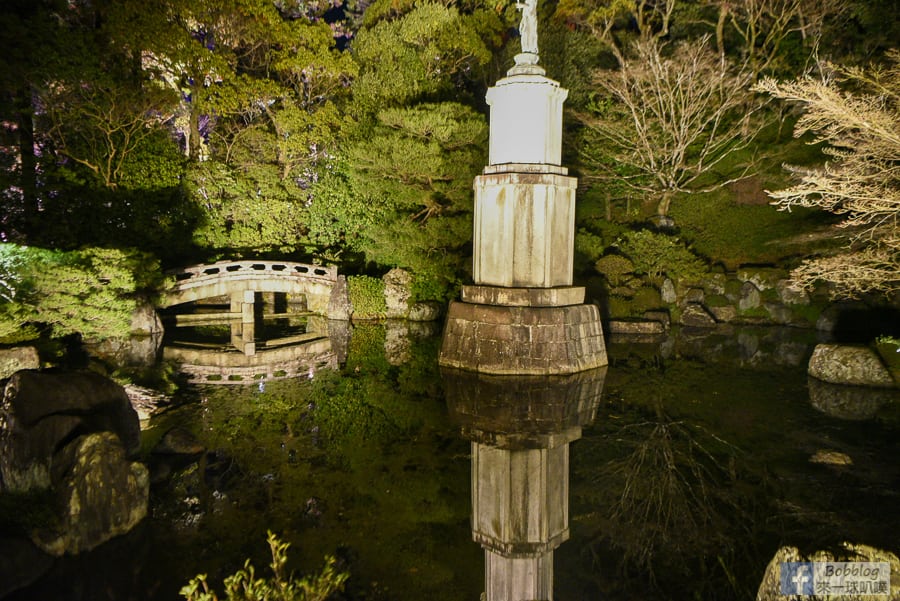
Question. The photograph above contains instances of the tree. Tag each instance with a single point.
(99, 122)
(423, 54)
(407, 198)
(92, 292)
(855, 112)
(662, 121)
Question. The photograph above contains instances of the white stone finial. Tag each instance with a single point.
(528, 26)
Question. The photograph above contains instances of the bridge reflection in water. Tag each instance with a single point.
(520, 428)
(245, 359)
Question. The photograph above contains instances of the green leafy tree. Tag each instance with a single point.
(262, 87)
(423, 54)
(414, 172)
(93, 292)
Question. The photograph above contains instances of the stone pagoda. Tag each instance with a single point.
(522, 315)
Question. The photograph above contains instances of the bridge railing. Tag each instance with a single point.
(199, 274)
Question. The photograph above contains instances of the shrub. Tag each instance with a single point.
(615, 268)
(658, 255)
(243, 585)
(367, 297)
(91, 292)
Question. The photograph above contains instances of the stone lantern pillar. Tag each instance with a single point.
(522, 315)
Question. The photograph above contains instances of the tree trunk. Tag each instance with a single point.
(194, 126)
(662, 209)
(28, 181)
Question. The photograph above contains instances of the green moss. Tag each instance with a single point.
(367, 297)
(618, 307)
(716, 300)
(645, 299)
(755, 312)
(806, 313)
(733, 234)
(769, 295)
(733, 287)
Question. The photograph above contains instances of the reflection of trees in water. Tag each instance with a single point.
(670, 505)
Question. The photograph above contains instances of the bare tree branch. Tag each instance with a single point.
(861, 182)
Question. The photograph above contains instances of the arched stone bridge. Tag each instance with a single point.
(240, 280)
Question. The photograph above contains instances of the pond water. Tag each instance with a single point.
(690, 460)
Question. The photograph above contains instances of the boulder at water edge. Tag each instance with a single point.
(854, 365)
(770, 588)
(103, 495)
(73, 433)
(18, 358)
(42, 410)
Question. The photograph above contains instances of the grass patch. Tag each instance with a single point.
(733, 234)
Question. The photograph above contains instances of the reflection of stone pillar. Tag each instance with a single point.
(518, 578)
(520, 428)
(520, 498)
(243, 336)
(242, 302)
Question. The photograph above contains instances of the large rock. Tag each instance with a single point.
(750, 297)
(16, 359)
(761, 278)
(145, 321)
(770, 587)
(723, 313)
(339, 307)
(41, 411)
(638, 327)
(397, 292)
(695, 315)
(854, 365)
(100, 492)
(791, 293)
(425, 311)
(667, 292)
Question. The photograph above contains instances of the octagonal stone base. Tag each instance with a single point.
(516, 339)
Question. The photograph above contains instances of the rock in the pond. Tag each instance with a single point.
(853, 365)
(397, 292)
(770, 587)
(40, 411)
(750, 297)
(146, 402)
(424, 311)
(849, 402)
(16, 359)
(724, 313)
(667, 292)
(791, 293)
(102, 495)
(827, 457)
(178, 441)
(339, 306)
(695, 315)
(635, 327)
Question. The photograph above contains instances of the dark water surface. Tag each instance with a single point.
(695, 468)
